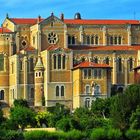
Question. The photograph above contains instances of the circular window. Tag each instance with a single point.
(52, 38)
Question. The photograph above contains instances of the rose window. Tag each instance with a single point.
(52, 38)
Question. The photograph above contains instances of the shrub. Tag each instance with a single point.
(11, 135)
(98, 134)
(133, 134)
(114, 134)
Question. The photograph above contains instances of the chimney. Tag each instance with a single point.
(38, 19)
(62, 16)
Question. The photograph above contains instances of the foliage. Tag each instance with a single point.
(101, 107)
(133, 134)
(122, 106)
(22, 116)
(106, 134)
(1, 117)
(11, 135)
(44, 135)
(21, 102)
(135, 119)
(43, 118)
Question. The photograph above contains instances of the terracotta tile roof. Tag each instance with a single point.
(55, 47)
(86, 21)
(5, 30)
(29, 48)
(31, 21)
(138, 67)
(105, 48)
(87, 64)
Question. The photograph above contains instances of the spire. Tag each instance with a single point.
(7, 16)
(39, 64)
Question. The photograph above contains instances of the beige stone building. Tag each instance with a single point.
(67, 61)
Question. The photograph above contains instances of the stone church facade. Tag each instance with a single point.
(67, 61)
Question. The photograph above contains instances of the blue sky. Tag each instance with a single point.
(90, 9)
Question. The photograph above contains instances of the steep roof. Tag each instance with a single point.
(87, 64)
(5, 30)
(31, 21)
(90, 21)
(104, 48)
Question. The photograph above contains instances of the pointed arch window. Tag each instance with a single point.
(57, 91)
(92, 39)
(64, 61)
(62, 90)
(119, 40)
(130, 66)
(54, 61)
(119, 64)
(87, 89)
(106, 61)
(32, 93)
(2, 95)
(111, 40)
(59, 61)
(87, 39)
(95, 60)
(96, 40)
(1, 62)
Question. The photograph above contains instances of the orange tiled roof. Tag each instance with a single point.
(55, 47)
(105, 48)
(5, 30)
(25, 20)
(86, 21)
(29, 48)
(87, 64)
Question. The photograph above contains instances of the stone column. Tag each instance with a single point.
(17, 76)
(125, 71)
(65, 37)
(129, 34)
(104, 36)
(114, 68)
(81, 34)
(17, 42)
(39, 39)
(25, 61)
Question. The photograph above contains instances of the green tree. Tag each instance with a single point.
(123, 105)
(43, 118)
(21, 102)
(101, 107)
(135, 119)
(22, 116)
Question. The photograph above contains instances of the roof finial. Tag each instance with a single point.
(39, 18)
(62, 16)
(52, 14)
(7, 16)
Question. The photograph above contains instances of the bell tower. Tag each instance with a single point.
(39, 82)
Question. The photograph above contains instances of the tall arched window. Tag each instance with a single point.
(97, 89)
(62, 90)
(69, 39)
(32, 93)
(73, 40)
(59, 61)
(1, 62)
(64, 60)
(2, 95)
(111, 40)
(31, 64)
(130, 64)
(96, 40)
(92, 39)
(115, 40)
(106, 61)
(57, 90)
(54, 61)
(119, 40)
(87, 39)
(95, 60)
(119, 64)
(87, 89)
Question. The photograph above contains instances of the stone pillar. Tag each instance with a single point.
(25, 61)
(104, 36)
(125, 71)
(65, 37)
(129, 34)
(17, 76)
(17, 42)
(81, 34)
(39, 39)
(114, 68)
